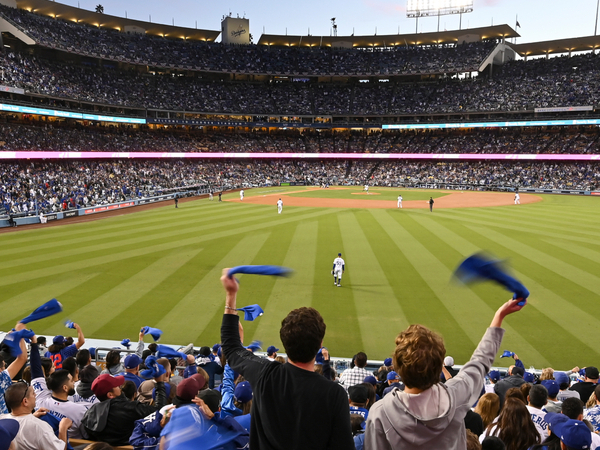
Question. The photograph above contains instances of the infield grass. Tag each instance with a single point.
(161, 268)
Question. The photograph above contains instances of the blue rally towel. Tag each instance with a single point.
(126, 343)
(479, 267)
(277, 271)
(154, 370)
(69, 324)
(154, 332)
(507, 354)
(13, 339)
(254, 345)
(46, 310)
(162, 351)
(251, 312)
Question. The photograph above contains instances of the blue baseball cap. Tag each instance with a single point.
(132, 361)
(552, 419)
(494, 375)
(339, 254)
(387, 362)
(216, 347)
(552, 387)
(58, 340)
(528, 377)
(561, 377)
(574, 434)
(272, 349)
(8, 430)
(370, 379)
(243, 392)
(392, 376)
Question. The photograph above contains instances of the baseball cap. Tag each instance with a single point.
(387, 362)
(448, 361)
(105, 383)
(528, 377)
(592, 373)
(561, 377)
(200, 380)
(216, 347)
(212, 398)
(8, 430)
(552, 419)
(392, 376)
(58, 340)
(494, 375)
(188, 389)
(358, 393)
(272, 349)
(205, 351)
(339, 254)
(243, 392)
(552, 387)
(574, 434)
(132, 361)
(370, 379)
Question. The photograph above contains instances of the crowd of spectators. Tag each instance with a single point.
(156, 51)
(27, 187)
(54, 136)
(516, 86)
(228, 397)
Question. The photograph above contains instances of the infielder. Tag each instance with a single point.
(242, 195)
(279, 206)
(517, 198)
(210, 195)
(367, 188)
(400, 201)
(338, 269)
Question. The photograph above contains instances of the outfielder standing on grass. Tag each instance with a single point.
(279, 206)
(338, 269)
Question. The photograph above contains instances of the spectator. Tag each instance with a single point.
(553, 389)
(309, 402)
(419, 358)
(564, 383)
(272, 353)
(514, 426)
(8, 373)
(586, 387)
(57, 352)
(357, 374)
(393, 380)
(488, 408)
(537, 399)
(132, 369)
(593, 414)
(514, 379)
(84, 389)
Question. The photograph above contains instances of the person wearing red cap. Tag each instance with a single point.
(113, 419)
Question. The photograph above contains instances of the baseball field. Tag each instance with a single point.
(160, 267)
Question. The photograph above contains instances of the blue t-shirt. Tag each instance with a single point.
(5, 382)
(59, 357)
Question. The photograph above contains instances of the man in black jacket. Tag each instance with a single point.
(514, 379)
(113, 419)
(293, 407)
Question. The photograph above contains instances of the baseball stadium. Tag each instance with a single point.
(138, 160)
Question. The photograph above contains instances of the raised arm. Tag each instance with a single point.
(20, 361)
(80, 337)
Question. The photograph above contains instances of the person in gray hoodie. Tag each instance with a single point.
(429, 414)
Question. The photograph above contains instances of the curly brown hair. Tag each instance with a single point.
(419, 357)
(302, 332)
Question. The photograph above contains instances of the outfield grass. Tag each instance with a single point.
(161, 268)
(358, 193)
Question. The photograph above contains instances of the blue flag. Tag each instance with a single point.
(251, 312)
(69, 324)
(478, 267)
(126, 343)
(278, 271)
(154, 370)
(254, 345)
(162, 351)
(13, 341)
(154, 332)
(46, 310)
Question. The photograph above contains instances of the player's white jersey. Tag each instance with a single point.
(339, 264)
(59, 408)
(279, 203)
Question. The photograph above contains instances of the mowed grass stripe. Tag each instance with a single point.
(540, 299)
(168, 244)
(464, 305)
(18, 306)
(581, 277)
(336, 305)
(371, 290)
(189, 317)
(418, 301)
(294, 292)
(166, 226)
(100, 311)
(576, 250)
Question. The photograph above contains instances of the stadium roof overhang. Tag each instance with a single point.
(580, 44)
(70, 13)
(392, 40)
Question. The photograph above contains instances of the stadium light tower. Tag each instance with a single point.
(429, 8)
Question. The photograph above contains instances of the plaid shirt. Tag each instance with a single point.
(350, 377)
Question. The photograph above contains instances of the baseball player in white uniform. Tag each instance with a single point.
(279, 206)
(210, 195)
(517, 198)
(338, 269)
(242, 195)
(400, 201)
(367, 188)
